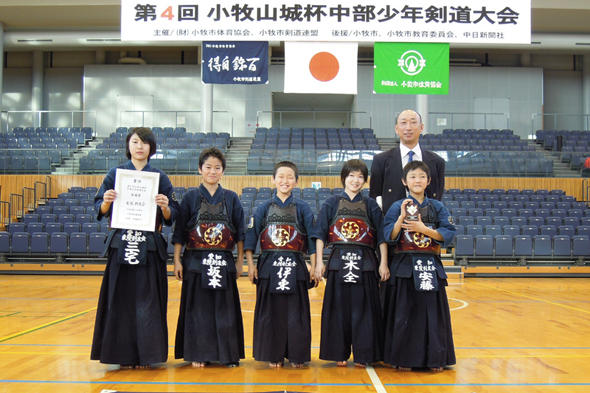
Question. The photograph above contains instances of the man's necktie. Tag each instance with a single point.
(411, 156)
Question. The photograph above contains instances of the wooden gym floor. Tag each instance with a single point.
(511, 335)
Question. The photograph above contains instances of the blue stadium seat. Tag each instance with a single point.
(548, 230)
(65, 218)
(580, 246)
(40, 242)
(52, 227)
(29, 218)
(96, 242)
(566, 230)
(530, 230)
(464, 246)
(503, 246)
(562, 246)
(58, 210)
(484, 245)
(4, 242)
(78, 243)
(15, 227)
(511, 230)
(492, 230)
(20, 242)
(35, 227)
(523, 246)
(542, 246)
(90, 227)
(58, 243)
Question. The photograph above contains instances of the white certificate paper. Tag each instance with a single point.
(135, 206)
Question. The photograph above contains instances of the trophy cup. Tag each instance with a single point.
(412, 210)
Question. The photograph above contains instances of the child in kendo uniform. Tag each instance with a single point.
(131, 327)
(282, 318)
(210, 225)
(417, 316)
(352, 226)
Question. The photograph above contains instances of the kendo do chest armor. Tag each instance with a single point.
(212, 229)
(414, 242)
(281, 231)
(351, 225)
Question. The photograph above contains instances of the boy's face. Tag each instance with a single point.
(211, 170)
(284, 181)
(416, 181)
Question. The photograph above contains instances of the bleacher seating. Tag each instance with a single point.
(38, 151)
(570, 146)
(520, 235)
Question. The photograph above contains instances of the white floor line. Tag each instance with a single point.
(379, 388)
(464, 304)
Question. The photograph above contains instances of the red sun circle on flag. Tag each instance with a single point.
(324, 66)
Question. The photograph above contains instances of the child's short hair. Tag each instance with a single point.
(413, 165)
(286, 164)
(353, 166)
(212, 152)
(146, 135)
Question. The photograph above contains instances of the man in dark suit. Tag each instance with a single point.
(387, 169)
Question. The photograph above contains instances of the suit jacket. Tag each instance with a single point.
(387, 172)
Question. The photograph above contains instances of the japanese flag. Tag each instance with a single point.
(321, 67)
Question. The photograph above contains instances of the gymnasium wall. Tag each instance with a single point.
(15, 183)
(553, 84)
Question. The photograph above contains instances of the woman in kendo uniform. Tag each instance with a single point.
(131, 327)
(351, 225)
(210, 225)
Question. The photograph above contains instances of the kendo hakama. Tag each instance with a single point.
(418, 323)
(282, 321)
(210, 327)
(131, 327)
(351, 312)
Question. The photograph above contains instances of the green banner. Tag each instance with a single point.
(411, 68)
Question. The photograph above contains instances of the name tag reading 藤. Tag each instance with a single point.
(133, 248)
(283, 274)
(351, 271)
(425, 276)
(214, 272)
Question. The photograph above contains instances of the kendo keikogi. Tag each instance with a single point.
(418, 326)
(210, 324)
(351, 313)
(282, 320)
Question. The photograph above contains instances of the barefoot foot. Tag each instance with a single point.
(341, 364)
(276, 365)
(405, 368)
(436, 369)
(296, 365)
(199, 364)
(360, 365)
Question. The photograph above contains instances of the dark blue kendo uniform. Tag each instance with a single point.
(282, 321)
(351, 313)
(210, 326)
(418, 323)
(131, 326)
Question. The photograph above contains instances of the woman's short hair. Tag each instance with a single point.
(146, 135)
(353, 166)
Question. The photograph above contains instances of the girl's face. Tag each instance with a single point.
(211, 170)
(354, 181)
(139, 149)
